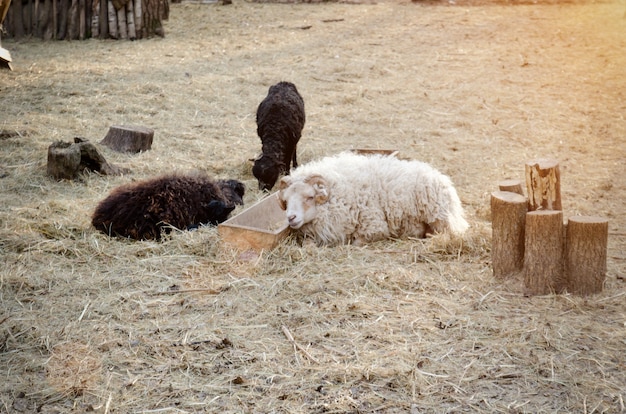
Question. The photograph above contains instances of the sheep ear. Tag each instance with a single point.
(321, 188)
(281, 202)
(282, 185)
(284, 182)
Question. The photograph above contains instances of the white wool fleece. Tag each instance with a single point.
(370, 197)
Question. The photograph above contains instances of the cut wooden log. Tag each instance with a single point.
(138, 17)
(130, 20)
(119, 4)
(63, 160)
(112, 13)
(508, 221)
(103, 20)
(72, 21)
(585, 254)
(125, 138)
(543, 184)
(153, 13)
(95, 18)
(82, 22)
(121, 23)
(55, 24)
(514, 186)
(63, 16)
(17, 18)
(543, 252)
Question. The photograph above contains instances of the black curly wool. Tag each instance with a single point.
(145, 209)
(280, 119)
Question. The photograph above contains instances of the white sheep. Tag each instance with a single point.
(351, 198)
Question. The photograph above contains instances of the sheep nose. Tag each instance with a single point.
(291, 218)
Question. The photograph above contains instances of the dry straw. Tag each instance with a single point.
(94, 324)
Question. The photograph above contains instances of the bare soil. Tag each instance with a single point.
(89, 323)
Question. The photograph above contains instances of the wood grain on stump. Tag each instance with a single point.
(585, 254)
(126, 138)
(514, 186)
(63, 160)
(508, 221)
(543, 184)
(543, 252)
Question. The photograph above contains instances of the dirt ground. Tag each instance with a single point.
(92, 324)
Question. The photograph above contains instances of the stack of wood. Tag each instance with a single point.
(530, 236)
(82, 19)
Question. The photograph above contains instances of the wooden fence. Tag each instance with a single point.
(82, 19)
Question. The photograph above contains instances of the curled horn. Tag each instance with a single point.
(321, 188)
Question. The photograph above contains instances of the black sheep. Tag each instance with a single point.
(232, 191)
(280, 119)
(144, 209)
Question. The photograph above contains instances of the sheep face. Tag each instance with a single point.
(233, 191)
(266, 170)
(300, 199)
(218, 211)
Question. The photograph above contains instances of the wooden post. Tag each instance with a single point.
(585, 254)
(514, 186)
(128, 138)
(130, 20)
(82, 23)
(43, 20)
(18, 18)
(72, 21)
(138, 18)
(34, 18)
(543, 185)
(55, 24)
(508, 220)
(63, 19)
(95, 18)
(113, 33)
(121, 23)
(103, 29)
(543, 249)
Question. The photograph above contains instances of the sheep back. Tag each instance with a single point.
(375, 197)
(145, 209)
(280, 119)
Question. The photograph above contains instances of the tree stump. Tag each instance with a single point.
(514, 186)
(585, 254)
(543, 184)
(67, 160)
(124, 138)
(543, 252)
(508, 221)
(63, 160)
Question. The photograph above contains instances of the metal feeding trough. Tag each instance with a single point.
(259, 227)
